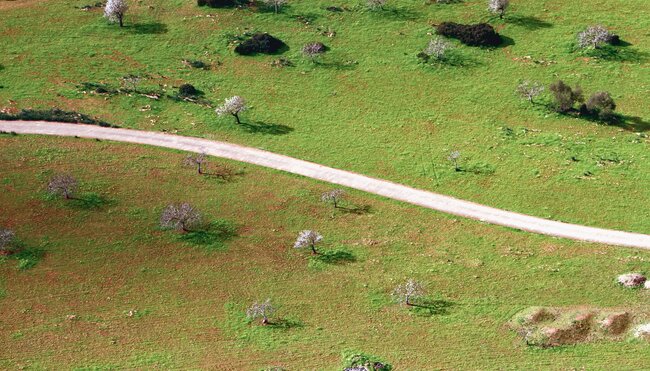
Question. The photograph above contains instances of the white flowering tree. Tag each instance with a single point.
(530, 90)
(437, 49)
(276, 4)
(407, 292)
(498, 7)
(263, 310)
(182, 217)
(308, 239)
(333, 196)
(594, 37)
(232, 106)
(115, 11)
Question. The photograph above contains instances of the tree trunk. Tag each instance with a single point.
(265, 321)
(313, 250)
(237, 118)
(199, 169)
(335, 204)
(120, 17)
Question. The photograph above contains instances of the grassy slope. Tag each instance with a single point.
(99, 264)
(387, 116)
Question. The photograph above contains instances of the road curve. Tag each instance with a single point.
(349, 179)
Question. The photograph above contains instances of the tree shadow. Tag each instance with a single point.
(2, 67)
(27, 257)
(531, 23)
(428, 307)
(284, 324)
(266, 128)
(222, 173)
(505, 42)
(629, 123)
(212, 236)
(334, 257)
(150, 28)
(337, 65)
(397, 13)
(90, 201)
(619, 54)
(359, 210)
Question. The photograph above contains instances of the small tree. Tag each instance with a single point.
(308, 238)
(196, 160)
(376, 4)
(63, 185)
(131, 82)
(594, 37)
(181, 217)
(276, 4)
(407, 292)
(262, 310)
(7, 239)
(115, 11)
(314, 50)
(530, 90)
(498, 7)
(232, 106)
(602, 104)
(453, 157)
(333, 196)
(564, 96)
(437, 49)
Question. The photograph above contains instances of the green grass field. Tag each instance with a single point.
(101, 260)
(369, 106)
(99, 285)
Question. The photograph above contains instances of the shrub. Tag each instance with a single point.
(602, 105)
(217, 3)
(187, 90)
(313, 50)
(594, 37)
(481, 34)
(54, 115)
(631, 279)
(260, 43)
(356, 361)
(564, 96)
(435, 51)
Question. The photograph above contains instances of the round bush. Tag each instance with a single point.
(217, 3)
(260, 43)
(481, 34)
(187, 90)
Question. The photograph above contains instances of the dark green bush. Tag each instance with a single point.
(187, 90)
(481, 34)
(219, 3)
(260, 43)
(54, 115)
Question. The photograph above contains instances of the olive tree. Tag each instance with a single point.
(530, 90)
(276, 4)
(7, 239)
(308, 239)
(498, 7)
(181, 217)
(64, 185)
(565, 97)
(115, 11)
(594, 37)
(333, 196)
(407, 292)
(232, 106)
(602, 104)
(198, 160)
(262, 310)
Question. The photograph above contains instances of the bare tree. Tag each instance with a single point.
(602, 104)
(308, 238)
(182, 217)
(453, 157)
(498, 7)
(276, 4)
(594, 37)
(232, 106)
(115, 11)
(333, 196)
(407, 292)
(196, 160)
(262, 310)
(376, 4)
(63, 185)
(437, 49)
(131, 82)
(530, 90)
(7, 238)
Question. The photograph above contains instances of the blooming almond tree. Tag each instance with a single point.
(308, 238)
(196, 160)
(453, 157)
(232, 106)
(7, 238)
(262, 310)
(115, 11)
(182, 217)
(498, 7)
(333, 196)
(409, 291)
(594, 37)
(62, 185)
(530, 90)
(437, 49)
